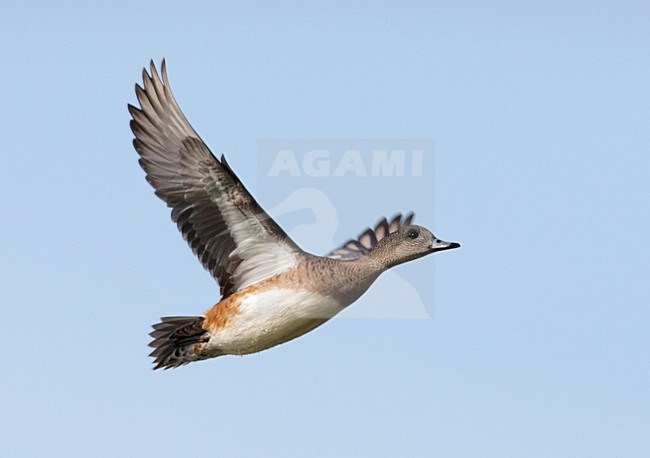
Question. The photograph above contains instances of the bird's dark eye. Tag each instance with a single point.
(412, 234)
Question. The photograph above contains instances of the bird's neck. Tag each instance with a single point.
(381, 258)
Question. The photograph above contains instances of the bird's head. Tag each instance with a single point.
(408, 243)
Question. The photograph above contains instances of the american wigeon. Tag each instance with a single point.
(272, 291)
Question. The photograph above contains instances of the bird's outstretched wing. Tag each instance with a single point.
(368, 239)
(235, 240)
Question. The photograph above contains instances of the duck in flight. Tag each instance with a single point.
(271, 290)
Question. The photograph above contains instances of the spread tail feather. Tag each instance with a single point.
(174, 340)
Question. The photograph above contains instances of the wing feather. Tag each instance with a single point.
(234, 239)
(368, 239)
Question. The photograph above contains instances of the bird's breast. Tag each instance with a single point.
(263, 319)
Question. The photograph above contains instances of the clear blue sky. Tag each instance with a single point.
(538, 342)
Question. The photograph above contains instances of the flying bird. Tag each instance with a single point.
(271, 290)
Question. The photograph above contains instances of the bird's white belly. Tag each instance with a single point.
(271, 317)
